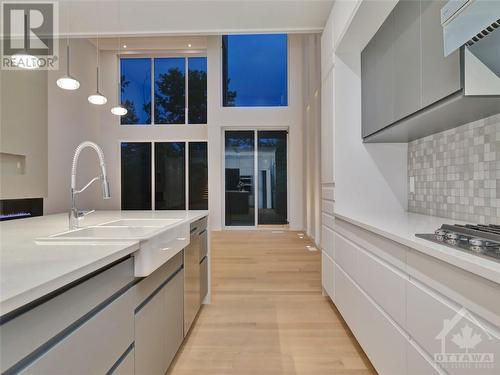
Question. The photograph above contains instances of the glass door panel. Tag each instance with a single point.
(272, 178)
(170, 176)
(239, 177)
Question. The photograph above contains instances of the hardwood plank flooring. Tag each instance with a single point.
(267, 314)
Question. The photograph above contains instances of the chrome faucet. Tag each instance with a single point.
(74, 213)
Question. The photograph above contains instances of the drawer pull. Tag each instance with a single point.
(181, 238)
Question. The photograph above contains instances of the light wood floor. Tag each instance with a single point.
(267, 314)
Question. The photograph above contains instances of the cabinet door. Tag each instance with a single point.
(384, 65)
(174, 314)
(368, 89)
(407, 51)
(203, 279)
(150, 327)
(377, 79)
(440, 75)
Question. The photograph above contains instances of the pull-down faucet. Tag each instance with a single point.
(74, 213)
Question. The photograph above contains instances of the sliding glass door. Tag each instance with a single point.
(272, 179)
(255, 176)
(240, 171)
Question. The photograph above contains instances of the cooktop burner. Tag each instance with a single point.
(481, 240)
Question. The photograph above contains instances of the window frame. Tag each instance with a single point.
(153, 167)
(151, 58)
(221, 99)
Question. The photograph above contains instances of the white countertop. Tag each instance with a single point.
(402, 227)
(29, 270)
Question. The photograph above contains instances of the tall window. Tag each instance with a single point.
(157, 91)
(164, 175)
(255, 70)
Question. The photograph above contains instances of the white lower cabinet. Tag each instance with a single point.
(159, 328)
(327, 275)
(126, 366)
(382, 341)
(417, 364)
(95, 346)
(402, 322)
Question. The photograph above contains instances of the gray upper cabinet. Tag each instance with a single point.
(377, 67)
(384, 66)
(369, 90)
(403, 68)
(407, 71)
(441, 75)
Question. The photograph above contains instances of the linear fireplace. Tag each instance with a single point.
(11, 209)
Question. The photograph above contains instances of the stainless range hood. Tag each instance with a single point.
(473, 28)
(475, 24)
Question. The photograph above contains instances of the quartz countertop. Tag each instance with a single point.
(402, 227)
(30, 269)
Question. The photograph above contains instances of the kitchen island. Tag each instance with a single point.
(77, 306)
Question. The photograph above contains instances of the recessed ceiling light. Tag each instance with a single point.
(189, 45)
(124, 46)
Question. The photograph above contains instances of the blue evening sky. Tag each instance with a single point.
(258, 69)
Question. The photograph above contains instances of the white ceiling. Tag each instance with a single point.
(191, 17)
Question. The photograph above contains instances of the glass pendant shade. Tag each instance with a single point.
(119, 110)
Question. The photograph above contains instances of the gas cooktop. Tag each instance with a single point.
(481, 240)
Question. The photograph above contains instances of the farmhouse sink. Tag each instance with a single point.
(158, 242)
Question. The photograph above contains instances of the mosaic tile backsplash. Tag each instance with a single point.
(457, 173)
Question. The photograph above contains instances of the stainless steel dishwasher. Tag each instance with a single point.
(192, 287)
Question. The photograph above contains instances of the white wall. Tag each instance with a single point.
(289, 117)
(72, 120)
(111, 133)
(367, 177)
(23, 134)
(312, 135)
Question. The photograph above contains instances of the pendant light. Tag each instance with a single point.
(24, 59)
(67, 82)
(97, 98)
(119, 110)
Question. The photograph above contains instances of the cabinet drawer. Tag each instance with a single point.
(327, 241)
(327, 274)
(148, 285)
(384, 284)
(27, 332)
(427, 315)
(327, 207)
(95, 346)
(327, 220)
(346, 298)
(328, 193)
(370, 325)
(417, 364)
(345, 254)
(174, 313)
(126, 366)
(388, 356)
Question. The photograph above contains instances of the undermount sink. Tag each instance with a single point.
(99, 233)
(141, 223)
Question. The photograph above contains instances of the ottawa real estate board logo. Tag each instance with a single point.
(468, 346)
(28, 35)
